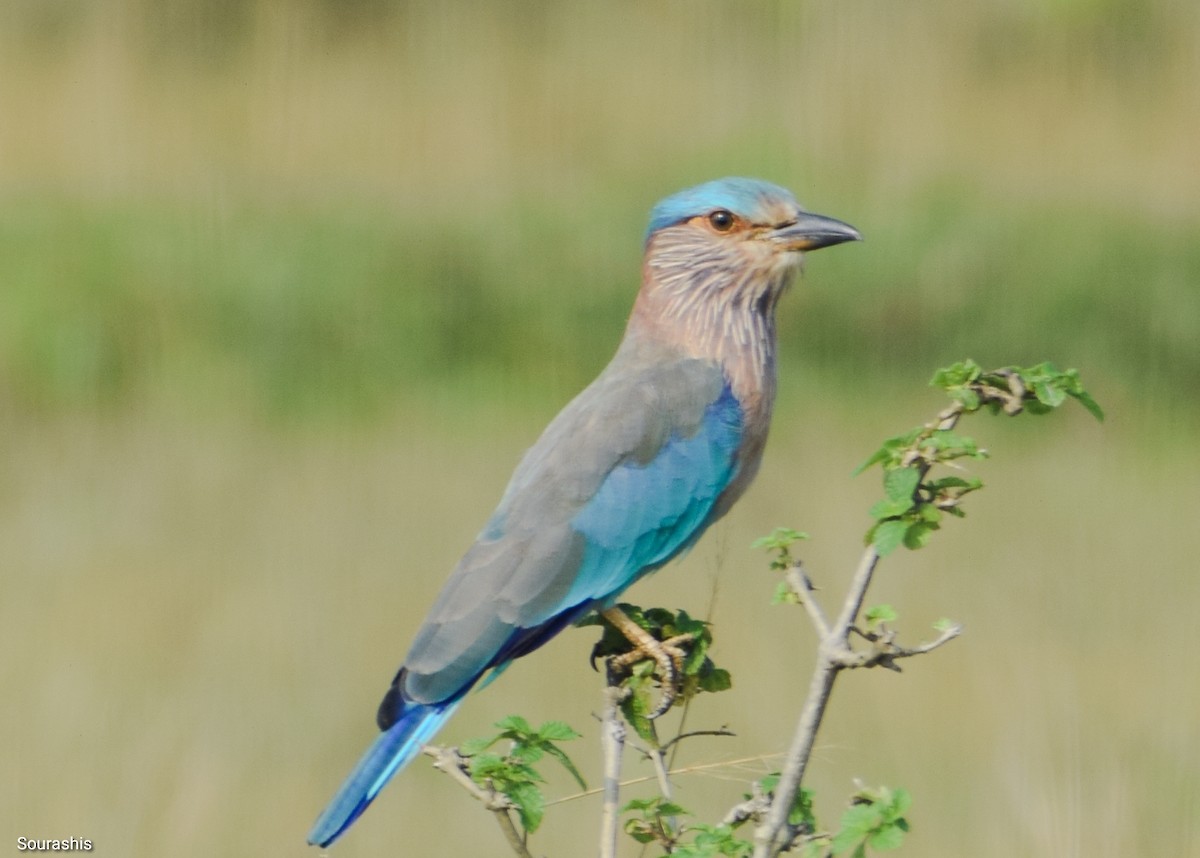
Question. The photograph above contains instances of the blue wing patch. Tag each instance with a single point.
(643, 515)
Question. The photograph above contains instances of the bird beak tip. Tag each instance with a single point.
(813, 231)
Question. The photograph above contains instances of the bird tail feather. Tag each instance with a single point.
(392, 751)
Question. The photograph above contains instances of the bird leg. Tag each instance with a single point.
(666, 654)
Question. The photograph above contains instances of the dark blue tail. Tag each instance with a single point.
(392, 751)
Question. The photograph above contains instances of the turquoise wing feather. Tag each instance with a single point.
(645, 514)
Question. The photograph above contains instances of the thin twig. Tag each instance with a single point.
(802, 586)
(663, 771)
(885, 652)
(752, 808)
(658, 759)
(686, 770)
(854, 598)
(612, 730)
(451, 762)
(511, 834)
(722, 731)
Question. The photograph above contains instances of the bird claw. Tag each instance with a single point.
(668, 655)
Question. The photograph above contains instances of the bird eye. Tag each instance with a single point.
(722, 220)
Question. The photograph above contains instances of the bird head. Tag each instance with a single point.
(733, 239)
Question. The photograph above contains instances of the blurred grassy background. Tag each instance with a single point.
(287, 288)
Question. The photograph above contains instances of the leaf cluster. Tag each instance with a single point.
(513, 774)
(801, 815)
(914, 505)
(912, 508)
(654, 824)
(874, 820)
(1038, 389)
(779, 542)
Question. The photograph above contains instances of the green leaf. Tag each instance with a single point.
(886, 837)
(514, 723)
(560, 755)
(944, 625)
(929, 513)
(518, 771)
(943, 483)
(956, 375)
(640, 831)
(471, 747)
(531, 804)
(967, 397)
(717, 679)
(767, 783)
(557, 731)
(1049, 394)
(696, 657)
(639, 804)
(888, 536)
(880, 614)
(524, 753)
(859, 819)
(802, 805)
(485, 765)
(780, 537)
(880, 455)
(892, 448)
(951, 444)
(802, 809)
(591, 618)
(889, 508)
(1087, 402)
(917, 535)
(901, 483)
(844, 839)
(636, 706)
(658, 806)
(818, 847)
(784, 595)
(710, 841)
(901, 801)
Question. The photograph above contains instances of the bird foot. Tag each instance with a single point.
(668, 655)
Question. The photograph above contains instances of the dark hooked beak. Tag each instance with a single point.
(812, 231)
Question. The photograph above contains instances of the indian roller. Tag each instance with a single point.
(627, 476)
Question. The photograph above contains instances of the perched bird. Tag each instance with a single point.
(627, 476)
